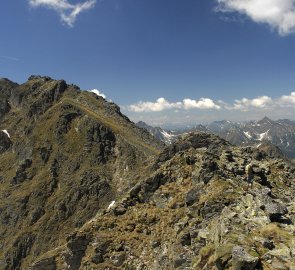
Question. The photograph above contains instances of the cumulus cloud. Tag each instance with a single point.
(246, 104)
(203, 103)
(278, 14)
(287, 101)
(260, 103)
(162, 104)
(68, 12)
(97, 92)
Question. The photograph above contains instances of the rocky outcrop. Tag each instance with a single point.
(243, 260)
(20, 249)
(45, 264)
(5, 142)
(194, 140)
(6, 87)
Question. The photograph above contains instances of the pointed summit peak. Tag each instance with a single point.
(265, 120)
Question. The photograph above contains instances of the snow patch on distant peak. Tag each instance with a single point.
(288, 144)
(262, 136)
(166, 134)
(168, 138)
(6, 132)
(247, 134)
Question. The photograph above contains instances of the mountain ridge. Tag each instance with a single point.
(82, 187)
(69, 154)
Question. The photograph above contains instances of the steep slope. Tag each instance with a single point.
(192, 212)
(5, 92)
(64, 154)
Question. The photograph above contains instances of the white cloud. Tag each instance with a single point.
(287, 101)
(160, 105)
(68, 12)
(260, 102)
(97, 92)
(203, 103)
(278, 14)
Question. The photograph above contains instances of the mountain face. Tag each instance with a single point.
(280, 133)
(160, 134)
(82, 187)
(192, 212)
(65, 154)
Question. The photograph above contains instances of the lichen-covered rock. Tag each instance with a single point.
(275, 209)
(242, 260)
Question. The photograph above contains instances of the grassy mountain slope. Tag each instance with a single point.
(192, 212)
(70, 154)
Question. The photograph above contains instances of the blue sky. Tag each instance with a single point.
(162, 61)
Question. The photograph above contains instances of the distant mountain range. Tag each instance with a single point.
(280, 133)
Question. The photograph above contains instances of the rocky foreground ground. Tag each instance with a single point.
(193, 213)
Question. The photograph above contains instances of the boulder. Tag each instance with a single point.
(241, 260)
(275, 211)
(192, 196)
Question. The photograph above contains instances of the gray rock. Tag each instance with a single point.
(97, 258)
(242, 260)
(19, 250)
(5, 142)
(192, 196)
(21, 174)
(117, 259)
(45, 264)
(4, 107)
(119, 210)
(275, 211)
(77, 245)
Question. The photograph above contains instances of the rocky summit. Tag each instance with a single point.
(82, 187)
